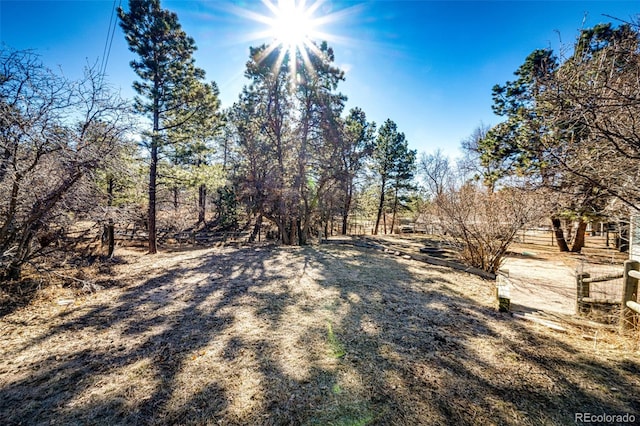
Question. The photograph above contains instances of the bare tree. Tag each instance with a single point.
(437, 171)
(471, 166)
(482, 224)
(54, 133)
(593, 108)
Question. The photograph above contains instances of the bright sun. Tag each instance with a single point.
(293, 27)
(293, 24)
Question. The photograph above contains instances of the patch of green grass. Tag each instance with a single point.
(359, 421)
(354, 414)
(331, 307)
(337, 350)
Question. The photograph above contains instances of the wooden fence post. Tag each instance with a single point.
(629, 293)
(582, 290)
(503, 294)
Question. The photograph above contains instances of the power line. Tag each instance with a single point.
(111, 31)
(106, 43)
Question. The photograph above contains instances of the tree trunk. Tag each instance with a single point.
(153, 248)
(110, 231)
(384, 221)
(202, 203)
(153, 172)
(9, 214)
(293, 229)
(304, 223)
(578, 241)
(111, 238)
(34, 223)
(559, 234)
(176, 192)
(256, 229)
(283, 230)
(380, 207)
(345, 218)
(5, 162)
(302, 233)
(395, 208)
(345, 212)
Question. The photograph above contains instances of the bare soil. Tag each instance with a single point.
(320, 335)
(541, 278)
(544, 279)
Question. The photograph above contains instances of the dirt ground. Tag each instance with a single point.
(320, 335)
(544, 279)
(540, 277)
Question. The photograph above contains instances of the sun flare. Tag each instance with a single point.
(294, 27)
(292, 30)
(293, 24)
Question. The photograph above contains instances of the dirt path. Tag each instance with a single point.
(544, 279)
(541, 284)
(541, 278)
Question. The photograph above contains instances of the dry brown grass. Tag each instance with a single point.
(321, 335)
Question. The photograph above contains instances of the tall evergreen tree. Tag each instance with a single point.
(167, 72)
(264, 120)
(356, 145)
(192, 144)
(517, 145)
(317, 130)
(288, 129)
(393, 162)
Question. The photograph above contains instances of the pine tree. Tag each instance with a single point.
(288, 129)
(357, 144)
(192, 144)
(166, 69)
(317, 130)
(394, 163)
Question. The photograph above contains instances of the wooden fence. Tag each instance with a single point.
(629, 307)
(184, 237)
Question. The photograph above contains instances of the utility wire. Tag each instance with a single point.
(111, 31)
(106, 43)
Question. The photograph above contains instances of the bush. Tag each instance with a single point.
(482, 224)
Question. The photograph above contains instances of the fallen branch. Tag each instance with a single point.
(549, 324)
(88, 286)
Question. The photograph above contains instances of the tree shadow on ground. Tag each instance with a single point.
(15, 295)
(467, 364)
(316, 335)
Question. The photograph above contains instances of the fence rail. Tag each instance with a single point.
(182, 237)
(603, 278)
(629, 318)
(629, 307)
(633, 306)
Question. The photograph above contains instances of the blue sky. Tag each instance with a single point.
(427, 65)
